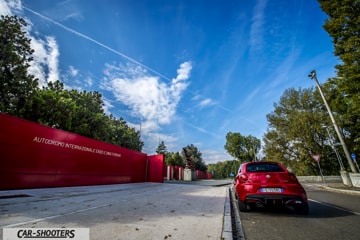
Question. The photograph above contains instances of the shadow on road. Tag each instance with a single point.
(317, 210)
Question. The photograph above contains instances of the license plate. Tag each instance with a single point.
(275, 190)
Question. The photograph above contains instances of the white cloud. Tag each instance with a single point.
(147, 96)
(9, 7)
(73, 71)
(166, 138)
(179, 84)
(4, 8)
(150, 99)
(212, 156)
(206, 102)
(107, 106)
(52, 59)
(256, 31)
(69, 11)
(196, 97)
(183, 72)
(88, 81)
(40, 55)
(45, 63)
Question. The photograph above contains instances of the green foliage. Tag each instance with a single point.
(196, 157)
(171, 158)
(117, 132)
(16, 85)
(241, 147)
(88, 118)
(53, 106)
(161, 149)
(222, 170)
(81, 113)
(177, 159)
(174, 159)
(296, 133)
(343, 25)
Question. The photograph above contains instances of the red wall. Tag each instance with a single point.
(33, 156)
(203, 175)
(155, 168)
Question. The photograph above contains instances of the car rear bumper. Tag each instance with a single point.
(275, 199)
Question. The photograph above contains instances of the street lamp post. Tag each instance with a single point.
(312, 75)
(333, 146)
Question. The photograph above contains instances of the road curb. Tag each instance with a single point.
(352, 192)
(227, 233)
(237, 229)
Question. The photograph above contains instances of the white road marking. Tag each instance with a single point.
(333, 206)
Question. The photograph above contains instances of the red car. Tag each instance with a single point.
(262, 184)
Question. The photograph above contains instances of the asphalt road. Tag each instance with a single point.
(174, 211)
(332, 216)
(125, 211)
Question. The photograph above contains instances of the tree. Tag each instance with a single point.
(343, 25)
(82, 113)
(16, 85)
(161, 149)
(174, 159)
(296, 133)
(222, 170)
(241, 147)
(53, 106)
(196, 156)
(89, 117)
(117, 132)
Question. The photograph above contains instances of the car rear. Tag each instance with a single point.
(269, 183)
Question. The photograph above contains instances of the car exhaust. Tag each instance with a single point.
(293, 202)
(260, 205)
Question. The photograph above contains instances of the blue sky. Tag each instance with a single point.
(182, 72)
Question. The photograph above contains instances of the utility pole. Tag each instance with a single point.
(312, 75)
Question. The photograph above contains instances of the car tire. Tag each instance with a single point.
(303, 210)
(236, 196)
(243, 207)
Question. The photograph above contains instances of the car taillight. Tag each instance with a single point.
(243, 177)
(292, 178)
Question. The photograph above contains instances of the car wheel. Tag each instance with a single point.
(303, 210)
(243, 207)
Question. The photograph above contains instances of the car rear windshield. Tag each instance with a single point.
(266, 167)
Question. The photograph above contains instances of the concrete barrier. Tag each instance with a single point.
(319, 178)
(355, 179)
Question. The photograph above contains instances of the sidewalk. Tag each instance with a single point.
(124, 211)
(203, 182)
(340, 187)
